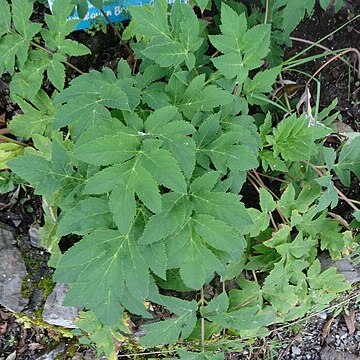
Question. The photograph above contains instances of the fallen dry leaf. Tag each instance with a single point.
(4, 314)
(289, 89)
(2, 118)
(35, 346)
(22, 342)
(350, 321)
(3, 206)
(305, 104)
(3, 328)
(342, 127)
(326, 329)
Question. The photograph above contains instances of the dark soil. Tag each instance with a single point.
(338, 80)
(21, 209)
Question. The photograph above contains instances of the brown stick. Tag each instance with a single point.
(51, 53)
(271, 177)
(254, 179)
(4, 131)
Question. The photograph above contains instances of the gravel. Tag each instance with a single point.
(318, 340)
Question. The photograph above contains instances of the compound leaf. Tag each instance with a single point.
(169, 331)
(149, 21)
(15, 45)
(164, 168)
(217, 233)
(87, 215)
(108, 149)
(36, 118)
(102, 263)
(295, 139)
(86, 100)
(349, 160)
(47, 177)
(223, 206)
(5, 20)
(243, 49)
(175, 211)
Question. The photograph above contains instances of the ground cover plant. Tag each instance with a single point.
(144, 167)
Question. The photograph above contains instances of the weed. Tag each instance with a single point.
(146, 165)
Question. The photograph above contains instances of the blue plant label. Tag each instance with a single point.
(116, 12)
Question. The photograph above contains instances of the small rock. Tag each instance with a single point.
(54, 354)
(34, 234)
(295, 350)
(322, 315)
(327, 353)
(12, 356)
(140, 333)
(298, 339)
(12, 272)
(343, 334)
(37, 299)
(55, 313)
(343, 266)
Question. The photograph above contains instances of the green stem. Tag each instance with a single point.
(266, 11)
(356, 51)
(321, 40)
(266, 100)
(324, 48)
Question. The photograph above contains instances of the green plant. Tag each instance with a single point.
(34, 57)
(147, 169)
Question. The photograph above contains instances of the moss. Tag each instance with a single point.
(38, 314)
(47, 284)
(54, 332)
(30, 263)
(71, 350)
(25, 287)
